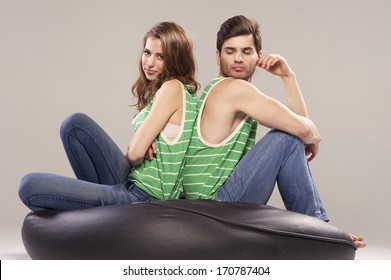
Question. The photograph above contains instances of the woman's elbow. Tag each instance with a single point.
(134, 157)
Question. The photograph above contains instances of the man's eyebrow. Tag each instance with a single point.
(248, 49)
(234, 49)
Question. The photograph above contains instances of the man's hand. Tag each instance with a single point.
(311, 150)
(275, 64)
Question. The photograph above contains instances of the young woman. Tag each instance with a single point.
(152, 168)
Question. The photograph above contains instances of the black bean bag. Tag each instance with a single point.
(183, 229)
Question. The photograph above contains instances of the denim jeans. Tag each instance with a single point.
(100, 167)
(277, 157)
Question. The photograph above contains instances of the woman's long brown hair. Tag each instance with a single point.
(179, 62)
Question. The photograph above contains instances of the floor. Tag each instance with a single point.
(11, 247)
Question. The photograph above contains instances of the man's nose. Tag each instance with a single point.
(238, 58)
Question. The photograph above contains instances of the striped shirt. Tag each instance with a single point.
(162, 177)
(209, 165)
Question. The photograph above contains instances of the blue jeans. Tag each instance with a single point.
(277, 157)
(99, 165)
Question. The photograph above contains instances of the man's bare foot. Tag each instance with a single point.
(359, 241)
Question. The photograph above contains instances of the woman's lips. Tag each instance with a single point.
(149, 72)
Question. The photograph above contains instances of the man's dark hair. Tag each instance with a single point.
(238, 26)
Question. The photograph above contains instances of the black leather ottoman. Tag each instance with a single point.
(183, 229)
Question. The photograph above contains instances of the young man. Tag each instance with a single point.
(222, 162)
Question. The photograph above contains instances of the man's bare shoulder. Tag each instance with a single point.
(229, 82)
(234, 87)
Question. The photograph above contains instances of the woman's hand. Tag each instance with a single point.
(148, 155)
(151, 152)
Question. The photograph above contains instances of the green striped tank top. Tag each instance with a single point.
(209, 165)
(162, 177)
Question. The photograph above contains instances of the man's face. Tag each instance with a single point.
(238, 58)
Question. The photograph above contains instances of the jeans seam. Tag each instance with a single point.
(316, 210)
(255, 169)
(68, 136)
(52, 197)
(140, 194)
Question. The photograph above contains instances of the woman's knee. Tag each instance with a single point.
(72, 121)
(31, 187)
(26, 186)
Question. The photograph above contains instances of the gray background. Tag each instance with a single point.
(59, 57)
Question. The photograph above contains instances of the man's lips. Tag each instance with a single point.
(238, 68)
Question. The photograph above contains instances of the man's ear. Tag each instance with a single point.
(260, 54)
(218, 57)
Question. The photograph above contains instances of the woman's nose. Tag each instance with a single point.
(151, 61)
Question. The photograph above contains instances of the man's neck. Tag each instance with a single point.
(223, 76)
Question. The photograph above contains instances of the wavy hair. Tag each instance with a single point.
(179, 62)
(238, 26)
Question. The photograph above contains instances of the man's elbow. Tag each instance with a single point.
(304, 131)
(308, 132)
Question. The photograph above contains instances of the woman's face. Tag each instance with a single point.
(152, 59)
